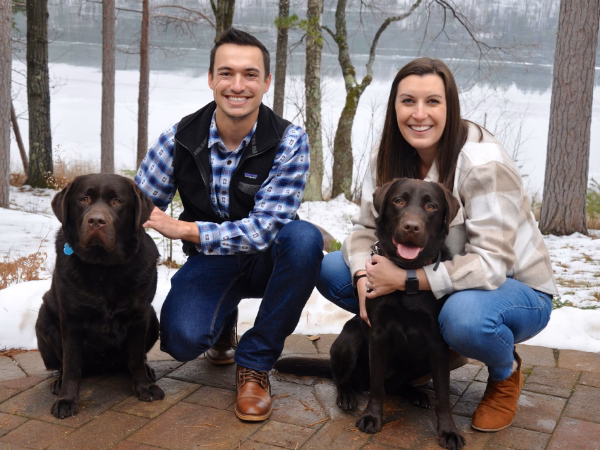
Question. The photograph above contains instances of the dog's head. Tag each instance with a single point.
(102, 216)
(414, 219)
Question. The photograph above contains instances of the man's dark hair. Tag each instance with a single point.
(238, 37)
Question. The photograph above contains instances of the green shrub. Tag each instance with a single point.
(593, 200)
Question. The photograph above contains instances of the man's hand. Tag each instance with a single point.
(172, 228)
(384, 276)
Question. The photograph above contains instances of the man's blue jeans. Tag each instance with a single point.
(207, 289)
(482, 325)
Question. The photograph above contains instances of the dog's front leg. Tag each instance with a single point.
(448, 434)
(143, 385)
(70, 378)
(371, 419)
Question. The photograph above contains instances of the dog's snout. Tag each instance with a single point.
(97, 221)
(411, 226)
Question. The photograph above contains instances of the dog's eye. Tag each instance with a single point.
(399, 201)
(115, 201)
(430, 207)
(85, 199)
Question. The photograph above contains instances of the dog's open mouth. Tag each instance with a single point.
(408, 250)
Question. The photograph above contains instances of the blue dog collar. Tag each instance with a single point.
(67, 249)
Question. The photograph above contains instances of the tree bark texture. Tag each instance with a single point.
(567, 162)
(281, 56)
(144, 87)
(312, 83)
(5, 98)
(18, 138)
(107, 128)
(343, 159)
(223, 11)
(38, 94)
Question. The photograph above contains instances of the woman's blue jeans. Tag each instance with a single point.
(207, 289)
(483, 325)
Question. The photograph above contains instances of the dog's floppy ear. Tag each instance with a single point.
(452, 206)
(143, 206)
(380, 194)
(60, 202)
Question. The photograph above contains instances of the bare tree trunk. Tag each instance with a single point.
(312, 82)
(343, 160)
(223, 11)
(5, 99)
(38, 94)
(18, 138)
(567, 163)
(281, 56)
(107, 129)
(143, 97)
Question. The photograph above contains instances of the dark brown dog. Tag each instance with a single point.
(404, 341)
(97, 315)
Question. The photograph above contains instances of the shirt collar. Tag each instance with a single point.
(214, 137)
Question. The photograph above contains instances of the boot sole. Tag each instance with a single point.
(220, 362)
(252, 418)
(491, 430)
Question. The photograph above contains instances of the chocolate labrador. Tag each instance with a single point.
(404, 341)
(97, 315)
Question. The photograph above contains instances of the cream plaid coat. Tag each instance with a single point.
(493, 236)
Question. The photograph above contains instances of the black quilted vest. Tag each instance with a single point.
(193, 174)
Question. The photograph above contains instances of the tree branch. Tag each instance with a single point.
(326, 28)
(381, 29)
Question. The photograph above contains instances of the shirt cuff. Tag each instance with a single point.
(209, 237)
(439, 280)
(357, 262)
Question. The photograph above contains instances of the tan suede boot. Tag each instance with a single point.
(499, 403)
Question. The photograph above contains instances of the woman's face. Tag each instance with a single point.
(421, 110)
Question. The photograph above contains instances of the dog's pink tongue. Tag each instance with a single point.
(408, 252)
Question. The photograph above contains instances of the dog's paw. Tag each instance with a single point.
(56, 386)
(422, 400)
(369, 423)
(452, 440)
(346, 400)
(148, 393)
(64, 408)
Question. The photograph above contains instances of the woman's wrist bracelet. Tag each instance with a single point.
(357, 277)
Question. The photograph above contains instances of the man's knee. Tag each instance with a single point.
(303, 237)
(182, 343)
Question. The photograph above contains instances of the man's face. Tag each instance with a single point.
(238, 80)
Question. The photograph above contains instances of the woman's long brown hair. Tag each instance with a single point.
(396, 157)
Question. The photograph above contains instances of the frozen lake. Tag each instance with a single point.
(511, 96)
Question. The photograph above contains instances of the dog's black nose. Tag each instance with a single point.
(411, 226)
(96, 221)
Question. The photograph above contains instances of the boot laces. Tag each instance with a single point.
(256, 376)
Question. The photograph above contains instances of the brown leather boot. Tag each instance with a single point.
(253, 402)
(499, 403)
(223, 351)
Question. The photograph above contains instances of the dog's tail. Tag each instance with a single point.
(301, 365)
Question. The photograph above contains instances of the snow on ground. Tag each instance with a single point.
(29, 226)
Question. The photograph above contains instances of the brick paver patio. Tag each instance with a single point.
(558, 409)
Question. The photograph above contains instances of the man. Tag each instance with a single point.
(241, 171)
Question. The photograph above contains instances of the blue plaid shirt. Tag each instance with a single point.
(276, 202)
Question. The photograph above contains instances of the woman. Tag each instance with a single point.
(500, 282)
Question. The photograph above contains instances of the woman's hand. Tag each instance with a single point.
(361, 288)
(383, 277)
